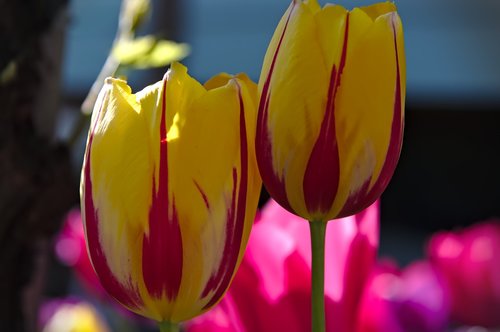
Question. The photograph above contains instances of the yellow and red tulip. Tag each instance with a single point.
(169, 190)
(331, 112)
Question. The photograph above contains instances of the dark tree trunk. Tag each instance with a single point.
(36, 183)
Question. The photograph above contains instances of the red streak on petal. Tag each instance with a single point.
(263, 141)
(235, 221)
(356, 201)
(362, 199)
(162, 248)
(396, 140)
(126, 296)
(321, 178)
(203, 195)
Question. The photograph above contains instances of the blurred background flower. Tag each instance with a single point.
(457, 285)
(456, 289)
(469, 261)
(271, 290)
(409, 300)
(70, 315)
(71, 250)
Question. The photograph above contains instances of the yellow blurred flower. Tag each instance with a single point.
(75, 317)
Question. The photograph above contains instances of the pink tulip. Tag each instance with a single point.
(470, 263)
(412, 300)
(71, 250)
(271, 290)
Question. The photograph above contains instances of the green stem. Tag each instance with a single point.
(318, 230)
(169, 327)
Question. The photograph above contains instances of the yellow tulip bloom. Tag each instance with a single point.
(169, 190)
(331, 112)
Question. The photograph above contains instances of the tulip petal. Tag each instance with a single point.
(275, 184)
(235, 219)
(98, 203)
(379, 9)
(321, 177)
(370, 116)
(163, 238)
(397, 126)
(286, 135)
(215, 185)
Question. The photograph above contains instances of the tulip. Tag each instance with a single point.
(469, 261)
(331, 114)
(412, 300)
(70, 248)
(271, 289)
(169, 191)
(330, 119)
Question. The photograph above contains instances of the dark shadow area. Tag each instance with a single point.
(448, 176)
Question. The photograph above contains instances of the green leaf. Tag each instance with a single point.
(147, 52)
(134, 12)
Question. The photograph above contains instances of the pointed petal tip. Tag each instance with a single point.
(175, 68)
(217, 81)
(244, 78)
(225, 80)
(380, 9)
(116, 82)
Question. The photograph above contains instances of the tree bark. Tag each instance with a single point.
(36, 182)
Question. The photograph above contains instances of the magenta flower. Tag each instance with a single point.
(412, 300)
(271, 290)
(470, 263)
(71, 250)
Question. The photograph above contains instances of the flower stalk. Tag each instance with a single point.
(318, 230)
(167, 326)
